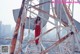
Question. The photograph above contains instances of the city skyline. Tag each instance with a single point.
(5, 30)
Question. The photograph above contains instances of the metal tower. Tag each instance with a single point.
(62, 17)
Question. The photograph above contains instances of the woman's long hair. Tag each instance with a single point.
(37, 19)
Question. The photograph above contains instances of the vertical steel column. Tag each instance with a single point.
(13, 42)
(21, 35)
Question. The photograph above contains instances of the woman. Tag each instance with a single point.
(37, 29)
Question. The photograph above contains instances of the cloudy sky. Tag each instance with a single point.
(6, 14)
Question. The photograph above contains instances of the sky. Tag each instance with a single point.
(6, 14)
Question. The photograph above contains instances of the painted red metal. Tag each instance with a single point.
(13, 42)
(14, 39)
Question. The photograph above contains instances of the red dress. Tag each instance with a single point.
(37, 31)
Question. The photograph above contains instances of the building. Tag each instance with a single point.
(6, 30)
(0, 27)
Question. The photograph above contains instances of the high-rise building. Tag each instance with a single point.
(6, 30)
(0, 27)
